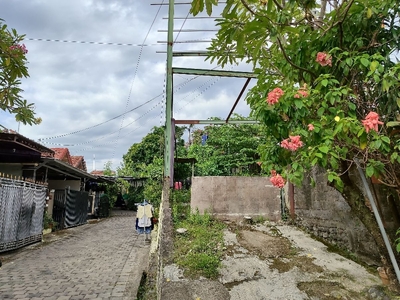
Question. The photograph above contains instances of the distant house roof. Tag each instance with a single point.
(75, 161)
(101, 173)
(97, 173)
(62, 154)
(79, 162)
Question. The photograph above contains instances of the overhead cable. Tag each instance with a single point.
(90, 42)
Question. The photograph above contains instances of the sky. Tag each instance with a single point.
(97, 71)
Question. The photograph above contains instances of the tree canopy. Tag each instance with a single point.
(327, 87)
(327, 90)
(145, 159)
(229, 149)
(12, 68)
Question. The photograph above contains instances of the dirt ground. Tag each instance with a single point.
(277, 261)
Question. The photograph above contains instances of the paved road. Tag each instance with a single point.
(100, 260)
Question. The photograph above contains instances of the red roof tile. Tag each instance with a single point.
(62, 154)
(79, 162)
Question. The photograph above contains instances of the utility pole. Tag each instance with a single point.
(168, 164)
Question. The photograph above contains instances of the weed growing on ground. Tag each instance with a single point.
(199, 250)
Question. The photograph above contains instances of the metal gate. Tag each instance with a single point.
(70, 208)
(21, 213)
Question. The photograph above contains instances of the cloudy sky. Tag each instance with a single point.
(97, 73)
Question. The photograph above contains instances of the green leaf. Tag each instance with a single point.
(334, 163)
(369, 13)
(365, 62)
(324, 149)
(298, 103)
(385, 85)
(373, 65)
(324, 82)
(392, 124)
(370, 171)
(197, 7)
(385, 139)
(320, 111)
(209, 5)
(352, 106)
(349, 61)
(393, 157)
(314, 161)
(331, 177)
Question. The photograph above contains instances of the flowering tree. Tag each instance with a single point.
(328, 86)
(12, 69)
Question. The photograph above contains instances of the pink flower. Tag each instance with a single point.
(310, 127)
(21, 48)
(292, 143)
(301, 93)
(371, 122)
(324, 59)
(277, 181)
(259, 163)
(274, 95)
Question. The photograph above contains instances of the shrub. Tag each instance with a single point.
(104, 206)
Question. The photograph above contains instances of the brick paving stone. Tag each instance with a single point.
(102, 260)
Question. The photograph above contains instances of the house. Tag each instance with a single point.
(32, 177)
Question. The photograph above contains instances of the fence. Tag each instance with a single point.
(21, 213)
(70, 208)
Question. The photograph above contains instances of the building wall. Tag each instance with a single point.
(62, 184)
(324, 212)
(234, 197)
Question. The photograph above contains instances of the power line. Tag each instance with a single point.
(134, 76)
(96, 125)
(91, 42)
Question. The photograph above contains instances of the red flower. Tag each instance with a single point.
(371, 122)
(277, 181)
(20, 48)
(301, 93)
(292, 143)
(324, 59)
(310, 127)
(274, 95)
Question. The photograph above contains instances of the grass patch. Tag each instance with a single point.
(199, 250)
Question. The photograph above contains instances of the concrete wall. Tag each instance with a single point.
(234, 197)
(324, 212)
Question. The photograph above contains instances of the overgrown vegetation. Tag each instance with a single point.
(104, 206)
(48, 222)
(198, 251)
(228, 149)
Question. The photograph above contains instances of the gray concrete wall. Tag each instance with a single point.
(324, 212)
(233, 197)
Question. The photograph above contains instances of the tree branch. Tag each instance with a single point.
(290, 61)
(346, 10)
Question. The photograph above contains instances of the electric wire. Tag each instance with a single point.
(179, 87)
(99, 124)
(134, 75)
(90, 42)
